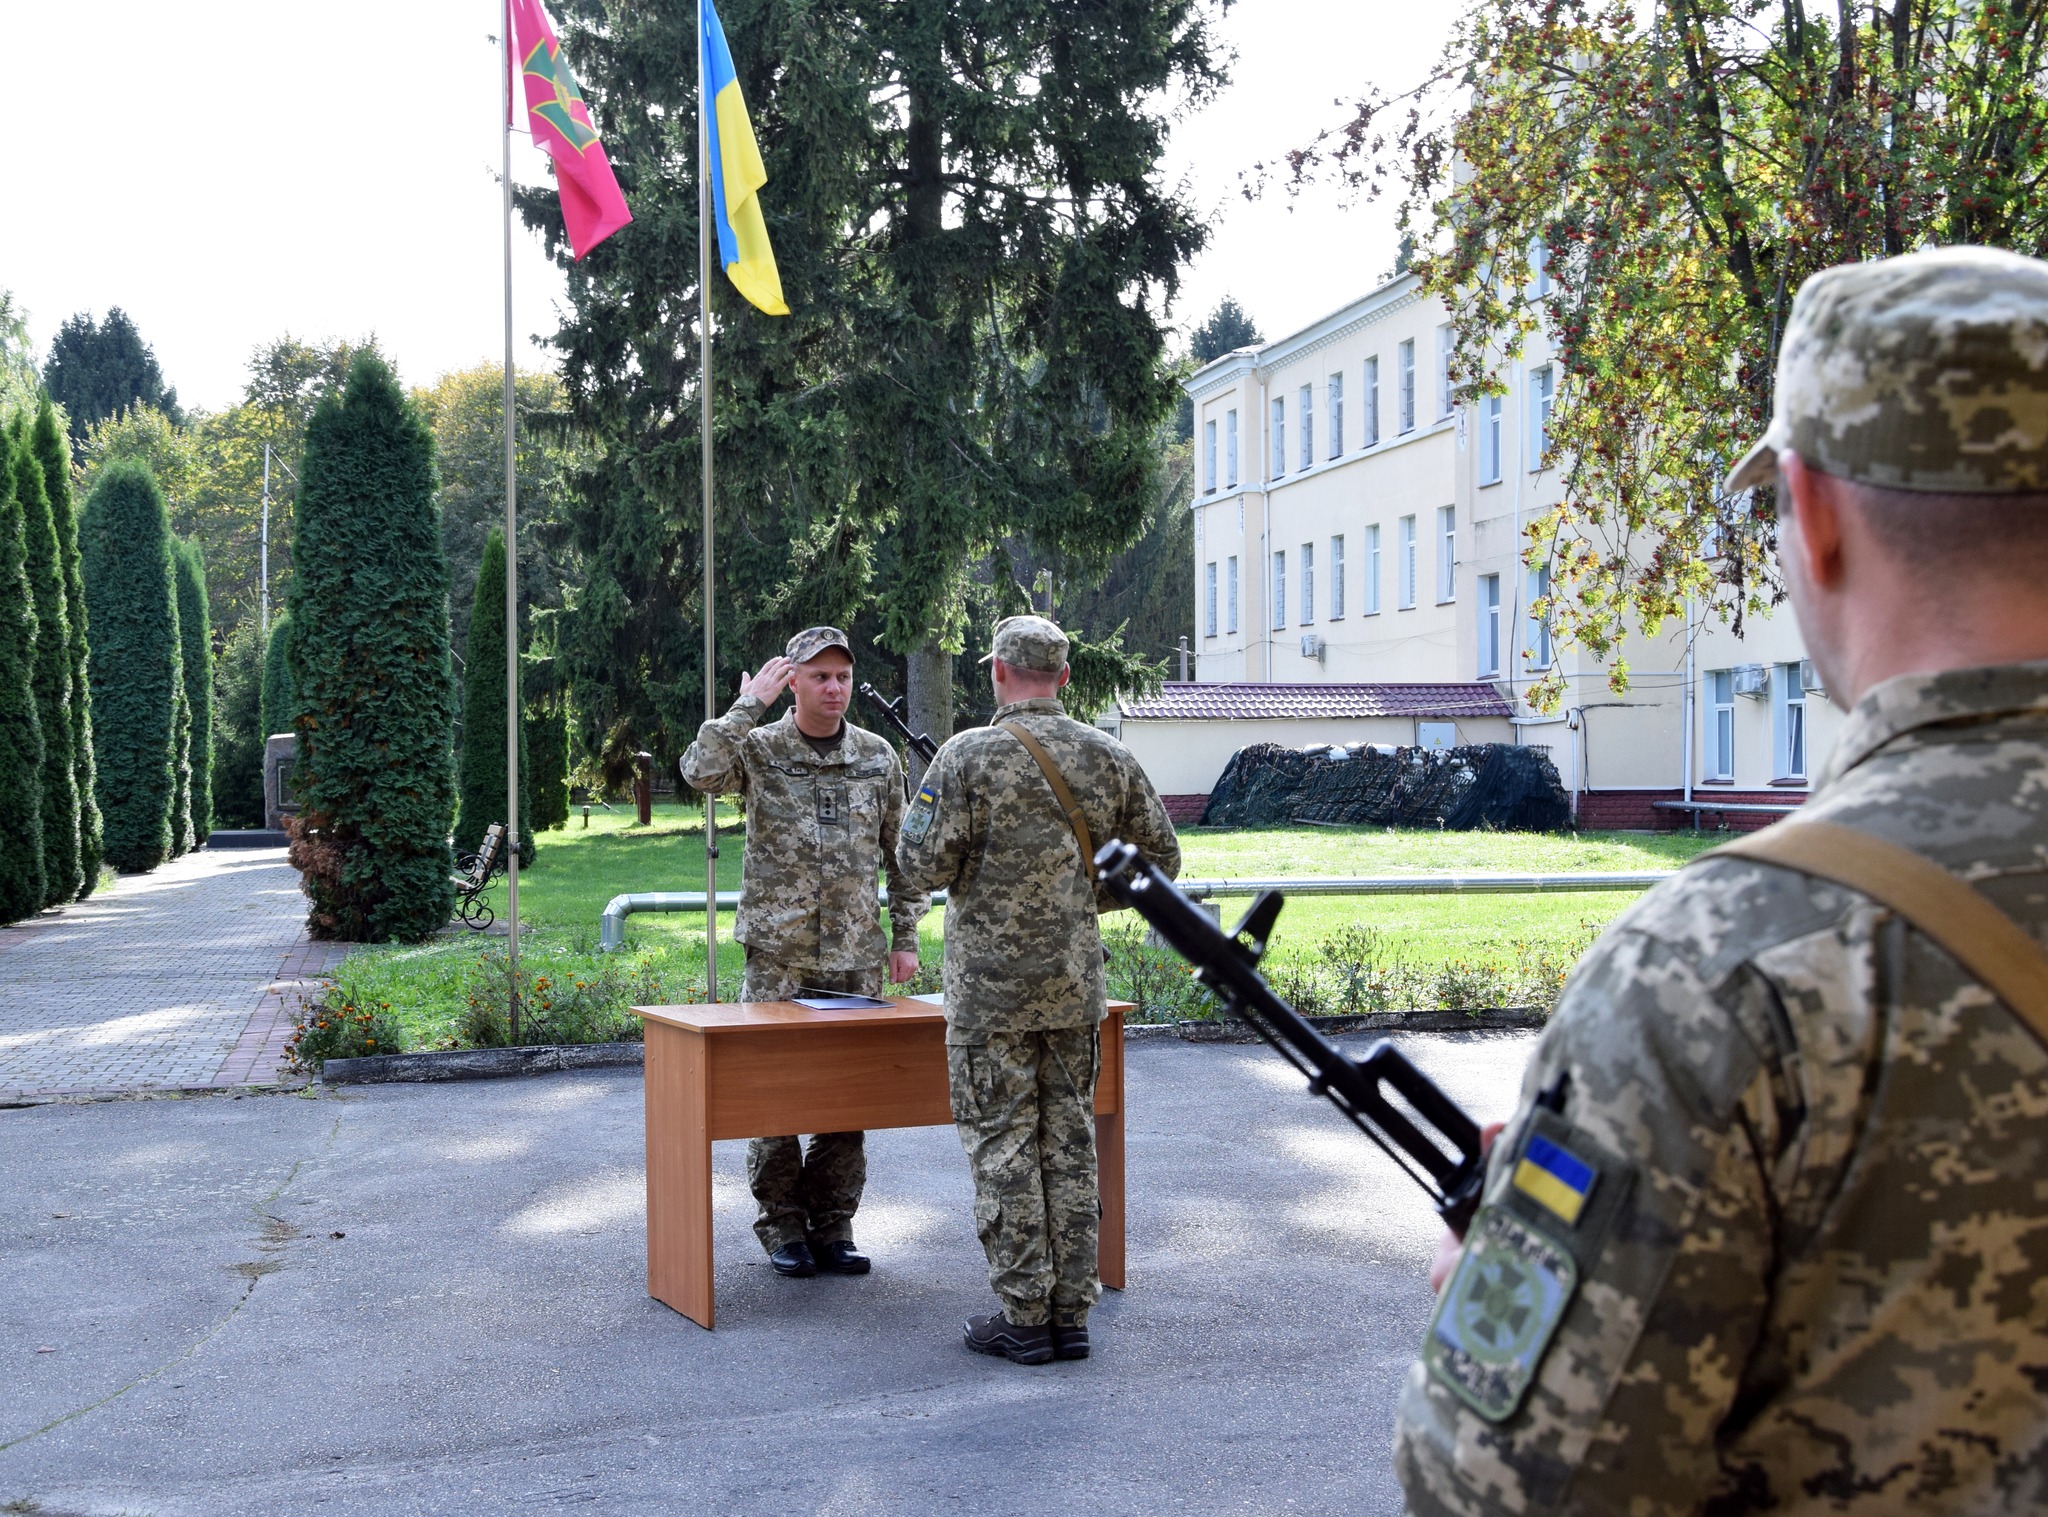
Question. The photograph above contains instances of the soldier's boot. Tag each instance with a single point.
(842, 1258)
(795, 1260)
(1003, 1338)
(1069, 1338)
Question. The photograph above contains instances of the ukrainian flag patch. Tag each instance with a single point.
(919, 821)
(1555, 1178)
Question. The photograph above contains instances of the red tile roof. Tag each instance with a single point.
(1193, 701)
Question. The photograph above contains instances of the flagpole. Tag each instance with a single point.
(511, 589)
(704, 231)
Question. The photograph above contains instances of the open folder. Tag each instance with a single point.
(841, 1003)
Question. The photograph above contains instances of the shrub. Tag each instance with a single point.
(53, 452)
(125, 549)
(482, 772)
(21, 736)
(557, 1003)
(368, 646)
(52, 672)
(195, 638)
(341, 1030)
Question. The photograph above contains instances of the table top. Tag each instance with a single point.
(743, 1016)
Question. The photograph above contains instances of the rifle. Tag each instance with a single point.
(892, 712)
(1227, 966)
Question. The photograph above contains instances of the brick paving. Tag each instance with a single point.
(184, 978)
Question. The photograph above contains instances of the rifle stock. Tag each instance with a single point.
(892, 712)
(1447, 1160)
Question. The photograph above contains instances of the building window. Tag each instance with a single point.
(1443, 371)
(1278, 445)
(1337, 579)
(1489, 625)
(1369, 421)
(1404, 567)
(1372, 571)
(1405, 384)
(1721, 731)
(1230, 594)
(1489, 439)
(1539, 268)
(1209, 598)
(1230, 448)
(1208, 458)
(1280, 591)
(1791, 723)
(1308, 583)
(1336, 416)
(1447, 560)
(1539, 625)
(1542, 391)
(1307, 412)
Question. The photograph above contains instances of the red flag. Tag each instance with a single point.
(592, 207)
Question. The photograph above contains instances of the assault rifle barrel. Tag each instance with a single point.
(892, 712)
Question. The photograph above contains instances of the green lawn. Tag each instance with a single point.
(1330, 953)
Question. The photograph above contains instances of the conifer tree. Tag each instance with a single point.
(369, 650)
(481, 772)
(195, 637)
(52, 671)
(280, 695)
(238, 741)
(181, 734)
(53, 451)
(21, 737)
(125, 552)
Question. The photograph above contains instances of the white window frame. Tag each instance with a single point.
(1539, 647)
(1489, 626)
(1789, 737)
(1306, 591)
(1490, 420)
(1279, 589)
(1369, 428)
(1542, 395)
(1336, 408)
(1371, 605)
(1337, 577)
(1230, 447)
(1447, 554)
(1230, 600)
(1209, 457)
(1720, 755)
(1404, 566)
(1209, 599)
(1443, 371)
(1307, 411)
(1279, 438)
(1404, 364)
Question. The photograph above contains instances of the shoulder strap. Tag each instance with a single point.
(1060, 793)
(1992, 948)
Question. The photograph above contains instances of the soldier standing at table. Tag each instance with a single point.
(1024, 976)
(1770, 1230)
(824, 801)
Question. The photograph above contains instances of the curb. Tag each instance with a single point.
(21, 1100)
(480, 1063)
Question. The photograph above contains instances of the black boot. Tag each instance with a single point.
(794, 1260)
(1070, 1340)
(999, 1336)
(842, 1258)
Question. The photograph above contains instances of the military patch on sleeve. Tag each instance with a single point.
(1499, 1313)
(918, 820)
(1554, 1176)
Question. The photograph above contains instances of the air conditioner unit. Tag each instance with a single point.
(1313, 646)
(1809, 678)
(1752, 680)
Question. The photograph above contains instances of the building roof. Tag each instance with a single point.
(1195, 701)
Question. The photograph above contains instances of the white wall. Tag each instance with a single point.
(1187, 757)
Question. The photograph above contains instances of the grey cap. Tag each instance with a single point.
(1926, 372)
(1028, 642)
(812, 641)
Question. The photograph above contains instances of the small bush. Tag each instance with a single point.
(557, 1004)
(345, 1031)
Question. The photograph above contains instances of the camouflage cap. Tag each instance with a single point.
(1927, 372)
(812, 641)
(1028, 642)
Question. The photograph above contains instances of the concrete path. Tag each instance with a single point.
(183, 978)
(432, 1300)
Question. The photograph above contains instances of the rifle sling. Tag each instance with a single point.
(1991, 947)
(1060, 793)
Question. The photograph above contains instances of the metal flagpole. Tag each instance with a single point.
(263, 610)
(511, 592)
(704, 234)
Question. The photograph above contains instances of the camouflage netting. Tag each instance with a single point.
(1366, 784)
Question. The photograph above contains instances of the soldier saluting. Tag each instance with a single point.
(824, 800)
(1006, 822)
(1770, 1230)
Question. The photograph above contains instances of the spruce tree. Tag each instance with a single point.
(369, 650)
(280, 694)
(482, 772)
(125, 551)
(195, 637)
(21, 735)
(53, 451)
(61, 879)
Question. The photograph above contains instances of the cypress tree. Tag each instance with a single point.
(52, 672)
(21, 734)
(237, 740)
(125, 551)
(195, 638)
(547, 748)
(482, 772)
(54, 453)
(280, 694)
(369, 649)
(181, 733)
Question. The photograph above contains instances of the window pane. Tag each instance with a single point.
(1372, 403)
(1279, 591)
(1336, 578)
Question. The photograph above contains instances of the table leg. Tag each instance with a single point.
(678, 1172)
(1109, 1157)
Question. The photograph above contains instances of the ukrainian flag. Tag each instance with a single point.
(736, 173)
(1556, 1177)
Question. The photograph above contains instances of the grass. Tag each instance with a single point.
(1329, 953)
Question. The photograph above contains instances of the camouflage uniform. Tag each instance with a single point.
(820, 830)
(1769, 1231)
(1024, 975)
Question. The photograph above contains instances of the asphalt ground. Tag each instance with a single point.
(406, 1299)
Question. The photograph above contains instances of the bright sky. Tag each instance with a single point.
(228, 170)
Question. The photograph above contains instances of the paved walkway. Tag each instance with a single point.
(179, 979)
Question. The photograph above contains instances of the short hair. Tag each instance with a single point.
(1026, 676)
(2000, 534)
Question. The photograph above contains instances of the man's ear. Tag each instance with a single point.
(1066, 673)
(1811, 500)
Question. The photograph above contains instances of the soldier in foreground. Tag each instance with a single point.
(1024, 976)
(1770, 1229)
(824, 802)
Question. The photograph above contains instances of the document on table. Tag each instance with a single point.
(842, 1003)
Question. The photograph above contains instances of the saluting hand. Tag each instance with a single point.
(773, 679)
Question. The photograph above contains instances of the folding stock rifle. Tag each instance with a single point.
(893, 714)
(1446, 1160)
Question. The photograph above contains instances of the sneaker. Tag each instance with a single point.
(999, 1336)
(1070, 1340)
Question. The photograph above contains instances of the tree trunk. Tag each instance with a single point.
(928, 679)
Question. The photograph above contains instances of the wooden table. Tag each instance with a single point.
(764, 1069)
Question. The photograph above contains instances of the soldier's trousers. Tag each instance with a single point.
(1024, 1104)
(805, 1195)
